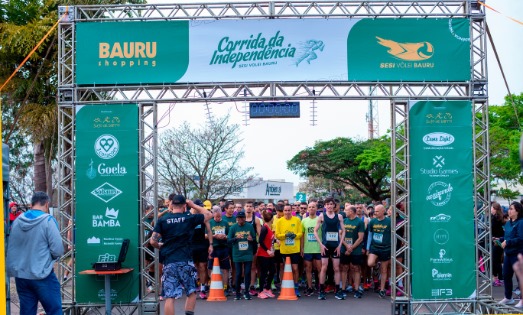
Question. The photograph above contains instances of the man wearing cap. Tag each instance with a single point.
(14, 212)
(172, 234)
(242, 237)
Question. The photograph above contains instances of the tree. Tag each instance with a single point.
(203, 161)
(363, 165)
(504, 134)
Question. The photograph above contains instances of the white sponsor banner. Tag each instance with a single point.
(268, 50)
(262, 190)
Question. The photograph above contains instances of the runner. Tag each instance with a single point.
(266, 257)
(241, 236)
(379, 245)
(220, 249)
(330, 244)
(351, 253)
(250, 218)
(310, 249)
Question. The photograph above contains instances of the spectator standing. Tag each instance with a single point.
(14, 212)
(512, 244)
(497, 252)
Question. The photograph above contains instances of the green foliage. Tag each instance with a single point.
(362, 165)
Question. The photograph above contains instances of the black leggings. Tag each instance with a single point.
(247, 275)
(497, 257)
(267, 270)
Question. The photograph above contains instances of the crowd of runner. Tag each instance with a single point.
(341, 249)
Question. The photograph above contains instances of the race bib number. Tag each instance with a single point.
(332, 236)
(289, 242)
(243, 245)
(377, 237)
(348, 241)
(220, 231)
(311, 237)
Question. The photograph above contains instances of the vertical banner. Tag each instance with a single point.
(107, 198)
(442, 205)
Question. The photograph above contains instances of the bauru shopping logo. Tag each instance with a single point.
(410, 55)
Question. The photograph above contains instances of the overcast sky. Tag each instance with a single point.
(269, 143)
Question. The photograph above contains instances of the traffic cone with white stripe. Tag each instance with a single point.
(287, 284)
(216, 290)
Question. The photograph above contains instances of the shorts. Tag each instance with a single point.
(222, 253)
(330, 252)
(311, 257)
(200, 255)
(382, 255)
(295, 258)
(355, 260)
(177, 277)
(277, 256)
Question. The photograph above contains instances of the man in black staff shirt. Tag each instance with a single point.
(175, 229)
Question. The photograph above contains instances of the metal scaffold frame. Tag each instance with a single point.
(399, 94)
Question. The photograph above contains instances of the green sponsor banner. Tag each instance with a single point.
(442, 205)
(107, 198)
(340, 50)
(409, 50)
(131, 52)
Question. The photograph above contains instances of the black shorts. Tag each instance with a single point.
(277, 256)
(382, 255)
(330, 252)
(295, 258)
(311, 257)
(355, 260)
(200, 255)
(222, 253)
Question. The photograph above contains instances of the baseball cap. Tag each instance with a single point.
(178, 200)
(198, 202)
(207, 204)
(11, 204)
(240, 214)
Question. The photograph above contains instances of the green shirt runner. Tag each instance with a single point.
(352, 228)
(381, 235)
(217, 228)
(310, 245)
(241, 247)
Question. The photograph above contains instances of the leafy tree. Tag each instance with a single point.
(362, 165)
(203, 161)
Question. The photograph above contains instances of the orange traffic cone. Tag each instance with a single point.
(287, 285)
(216, 290)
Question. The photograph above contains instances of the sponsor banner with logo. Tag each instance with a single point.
(442, 205)
(158, 52)
(107, 198)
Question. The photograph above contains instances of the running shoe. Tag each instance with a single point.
(269, 293)
(382, 293)
(329, 288)
(247, 296)
(297, 291)
(345, 293)
(309, 292)
(519, 305)
(388, 292)
(399, 291)
(497, 283)
(517, 291)
(507, 301)
(322, 296)
(238, 297)
(339, 295)
(366, 286)
(350, 289)
(273, 287)
(227, 292)
(360, 288)
(253, 292)
(150, 289)
(262, 295)
(358, 294)
(202, 295)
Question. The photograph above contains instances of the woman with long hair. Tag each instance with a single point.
(497, 252)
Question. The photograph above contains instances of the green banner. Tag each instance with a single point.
(107, 198)
(254, 50)
(409, 50)
(442, 205)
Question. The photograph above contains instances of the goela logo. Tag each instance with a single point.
(91, 172)
(106, 170)
(441, 236)
(272, 190)
(440, 218)
(438, 139)
(441, 259)
(259, 51)
(436, 275)
(106, 192)
(408, 51)
(106, 146)
(110, 220)
(439, 193)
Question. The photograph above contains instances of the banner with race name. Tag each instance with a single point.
(161, 52)
(107, 199)
(442, 207)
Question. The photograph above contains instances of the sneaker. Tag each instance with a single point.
(237, 298)
(339, 295)
(507, 301)
(517, 291)
(227, 292)
(262, 295)
(269, 293)
(382, 293)
(497, 283)
(388, 292)
(345, 293)
(520, 304)
(150, 289)
(309, 292)
(297, 291)
(247, 297)
(350, 289)
(329, 288)
(399, 291)
(322, 296)
(360, 288)
(202, 295)
(273, 286)
(366, 286)
(253, 292)
(358, 294)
